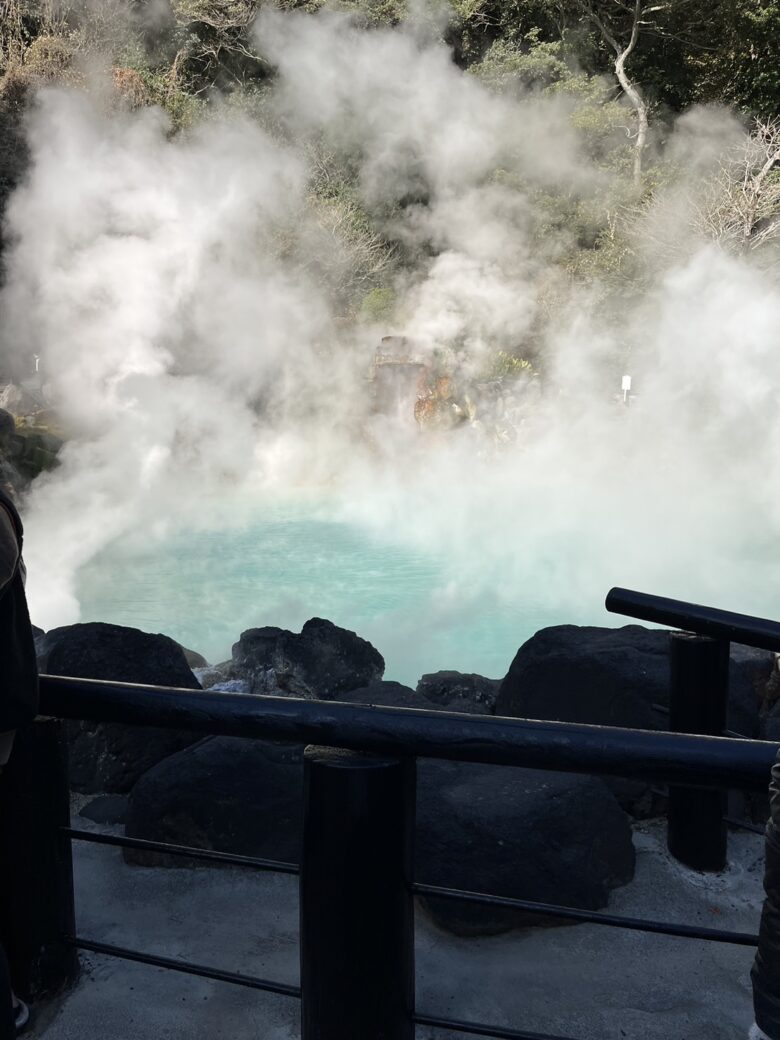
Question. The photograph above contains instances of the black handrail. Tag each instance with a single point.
(404, 734)
(207, 855)
(408, 732)
(693, 617)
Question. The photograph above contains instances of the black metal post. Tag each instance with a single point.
(357, 921)
(698, 703)
(36, 871)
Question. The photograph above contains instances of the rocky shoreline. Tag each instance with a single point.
(545, 836)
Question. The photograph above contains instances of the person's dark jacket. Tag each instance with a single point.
(766, 968)
(18, 665)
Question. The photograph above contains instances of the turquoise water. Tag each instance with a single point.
(205, 588)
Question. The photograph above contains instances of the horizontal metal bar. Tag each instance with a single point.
(209, 855)
(475, 1029)
(692, 617)
(744, 825)
(186, 967)
(694, 761)
(635, 924)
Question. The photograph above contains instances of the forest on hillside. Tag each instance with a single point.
(625, 73)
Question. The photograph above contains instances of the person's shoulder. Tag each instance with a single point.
(7, 519)
(9, 545)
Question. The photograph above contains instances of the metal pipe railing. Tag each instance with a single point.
(228, 859)
(333, 944)
(408, 732)
(693, 617)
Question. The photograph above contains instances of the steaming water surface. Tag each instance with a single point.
(204, 588)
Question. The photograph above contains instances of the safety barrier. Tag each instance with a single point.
(355, 876)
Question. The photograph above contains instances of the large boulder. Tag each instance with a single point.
(108, 756)
(322, 662)
(549, 837)
(511, 832)
(223, 793)
(609, 677)
(617, 677)
(458, 691)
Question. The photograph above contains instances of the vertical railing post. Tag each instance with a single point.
(765, 974)
(36, 870)
(357, 920)
(698, 703)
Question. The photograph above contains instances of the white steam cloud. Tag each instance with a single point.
(183, 294)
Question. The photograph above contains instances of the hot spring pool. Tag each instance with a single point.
(205, 588)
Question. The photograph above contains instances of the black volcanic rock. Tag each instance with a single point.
(523, 833)
(614, 676)
(321, 663)
(605, 676)
(223, 793)
(459, 691)
(387, 694)
(108, 756)
(619, 677)
(514, 832)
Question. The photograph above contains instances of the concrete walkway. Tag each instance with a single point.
(584, 982)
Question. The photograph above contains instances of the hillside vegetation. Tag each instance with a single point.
(624, 69)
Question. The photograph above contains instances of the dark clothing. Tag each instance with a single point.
(7, 1026)
(766, 968)
(18, 665)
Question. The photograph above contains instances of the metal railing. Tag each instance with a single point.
(355, 876)
(700, 659)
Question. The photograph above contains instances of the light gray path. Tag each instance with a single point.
(584, 982)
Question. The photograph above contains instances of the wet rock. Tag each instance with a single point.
(211, 675)
(458, 691)
(322, 662)
(109, 757)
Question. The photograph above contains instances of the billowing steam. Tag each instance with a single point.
(192, 300)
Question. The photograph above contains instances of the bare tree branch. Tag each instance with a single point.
(623, 52)
(740, 206)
